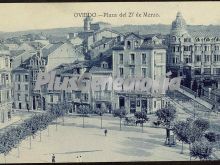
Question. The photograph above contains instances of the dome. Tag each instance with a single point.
(179, 25)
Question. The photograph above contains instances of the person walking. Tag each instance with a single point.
(53, 158)
(80, 158)
(105, 132)
(77, 159)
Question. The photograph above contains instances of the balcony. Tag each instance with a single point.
(187, 53)
(102, 98)
(208, 63)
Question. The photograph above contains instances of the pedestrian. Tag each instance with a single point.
(77, 159)
(53, 158)
(80, 158)
(105, 132)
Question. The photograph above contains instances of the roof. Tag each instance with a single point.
(108, 29)
(19, 69)
(132, 33)
(3, 47)
(206, 33)
(15, 53)
(147, 45)
(48, 49)
(96, 69)
(101, 42)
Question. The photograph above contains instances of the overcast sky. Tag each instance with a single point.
(18, 17)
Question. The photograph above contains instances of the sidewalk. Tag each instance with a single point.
(197, 99)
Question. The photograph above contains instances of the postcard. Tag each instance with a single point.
(109, 82)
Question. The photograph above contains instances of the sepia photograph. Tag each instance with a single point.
(109, 82)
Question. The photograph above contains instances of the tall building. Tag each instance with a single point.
(139, 56)
(195, 55)
(5, 86)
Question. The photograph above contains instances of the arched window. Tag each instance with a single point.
(207, 39)
(104, 65)
(173, 38)
(128, 44)
(32, 62)
(197, 39)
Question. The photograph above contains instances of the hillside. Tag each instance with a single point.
(142, 29)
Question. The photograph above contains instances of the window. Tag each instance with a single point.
(198, 58)
(51, 98)
(216, 47)
(207, 58)
(178, 49)
(216, 71)
(104, 65)
(174, 38)
(136, 44)
(120, 58)
(18, 78)
(128, 44)
(207, 71)
(8, 95)
(6, 62)
(207, 48)
(19, 87)
(6, 77)
(155, 104)
(144, 72)
(26, 97)
(132, 71)
(18, 95)
(121, 72)
(187, 48)
(26, 87)
(144, 58)
(132, 59)
(26, 78)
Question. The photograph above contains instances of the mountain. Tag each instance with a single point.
(142, 29)
(45, 32)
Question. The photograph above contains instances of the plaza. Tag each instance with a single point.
(72, 140)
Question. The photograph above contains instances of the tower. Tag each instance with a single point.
(87, 22)
(178, 26)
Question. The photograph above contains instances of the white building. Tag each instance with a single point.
(5, 84)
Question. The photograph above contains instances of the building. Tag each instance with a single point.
(5, 86)
(195, 55)
(21, 89)
(102, 97)
(139, 56)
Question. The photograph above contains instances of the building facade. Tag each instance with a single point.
(196, 56)
(5, 86)
(139, 57)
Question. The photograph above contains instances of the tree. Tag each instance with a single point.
(84, 110)
(211, 136)
(202, 124)
(201, 149)
(101, 111)
(142, 116)
(121, 113)
(180, 129)
(167, 116)
(195, 130)
(65, 107)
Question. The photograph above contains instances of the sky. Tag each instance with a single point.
(20, 17)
